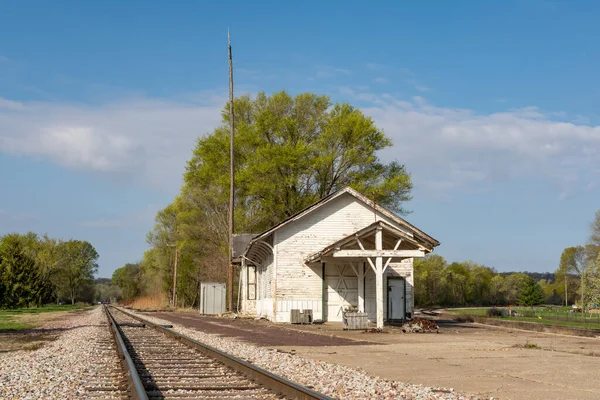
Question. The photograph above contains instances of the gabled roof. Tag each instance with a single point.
(348, 190)
(360, 234)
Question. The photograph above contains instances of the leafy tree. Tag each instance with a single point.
(530, 293)
(497, 290)
(77, 267)
(127, 279)
(577, 260)
(291, 151)
(512, 286)
(17, 272)
(429, 282)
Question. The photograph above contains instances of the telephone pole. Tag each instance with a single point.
(231, 176)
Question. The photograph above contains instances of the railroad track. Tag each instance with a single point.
(160, 363)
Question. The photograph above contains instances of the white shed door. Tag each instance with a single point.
(342, 290)
(396, 297)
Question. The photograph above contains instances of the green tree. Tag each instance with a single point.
(497, 290)
(512, 286)
(530, 293)
(78, 266)
(127, 278)
(430, 283)
(291, 151)
(20, 281)
(577, 260)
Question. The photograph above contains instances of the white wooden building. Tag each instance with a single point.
(343, 251)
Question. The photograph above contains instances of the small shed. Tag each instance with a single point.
(212, 298)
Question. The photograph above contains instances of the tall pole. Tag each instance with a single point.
(231, 176)
(175, 280)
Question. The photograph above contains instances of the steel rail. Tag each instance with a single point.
(268, 379)
(136, 387)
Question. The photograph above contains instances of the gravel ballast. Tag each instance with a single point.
(62, 369)
(334, 380)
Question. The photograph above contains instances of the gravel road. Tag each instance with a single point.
(63, 368)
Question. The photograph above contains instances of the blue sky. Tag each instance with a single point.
(491, 105)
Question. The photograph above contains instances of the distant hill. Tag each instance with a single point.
(102, 281)
(538, 276)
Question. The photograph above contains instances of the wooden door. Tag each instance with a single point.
(342, 290)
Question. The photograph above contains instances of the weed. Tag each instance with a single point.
(464, 318)
(33, 347)
(527, 345)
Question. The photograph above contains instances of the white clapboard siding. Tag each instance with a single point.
(295, 241)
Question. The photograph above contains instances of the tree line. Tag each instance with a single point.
(459, 284)
(290, 151)
(35, 270)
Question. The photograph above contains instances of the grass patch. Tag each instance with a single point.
(44, 309)
(558, 316)
(478, 312)
(571, 324)
(17, 319)
(11, 325)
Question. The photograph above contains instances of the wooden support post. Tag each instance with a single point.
(379, 277)
(361, 288)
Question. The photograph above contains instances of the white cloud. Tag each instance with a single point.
(380, 80)
(140, 138)
(448, 148)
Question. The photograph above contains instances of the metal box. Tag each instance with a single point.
(301, 317)
(212, 298)
(355, 320)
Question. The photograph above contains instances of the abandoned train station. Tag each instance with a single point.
(342, 253)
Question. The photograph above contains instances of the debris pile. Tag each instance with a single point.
(420, 325)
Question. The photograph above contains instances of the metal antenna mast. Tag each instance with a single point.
(231, 176)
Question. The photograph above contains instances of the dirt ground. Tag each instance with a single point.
(470, 358)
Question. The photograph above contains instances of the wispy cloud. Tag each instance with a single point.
(328, 71)
(400, 74)
(448, 148)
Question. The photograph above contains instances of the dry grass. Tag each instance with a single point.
(159, 302)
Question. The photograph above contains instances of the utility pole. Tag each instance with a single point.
(175, 280)
(231, 176)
